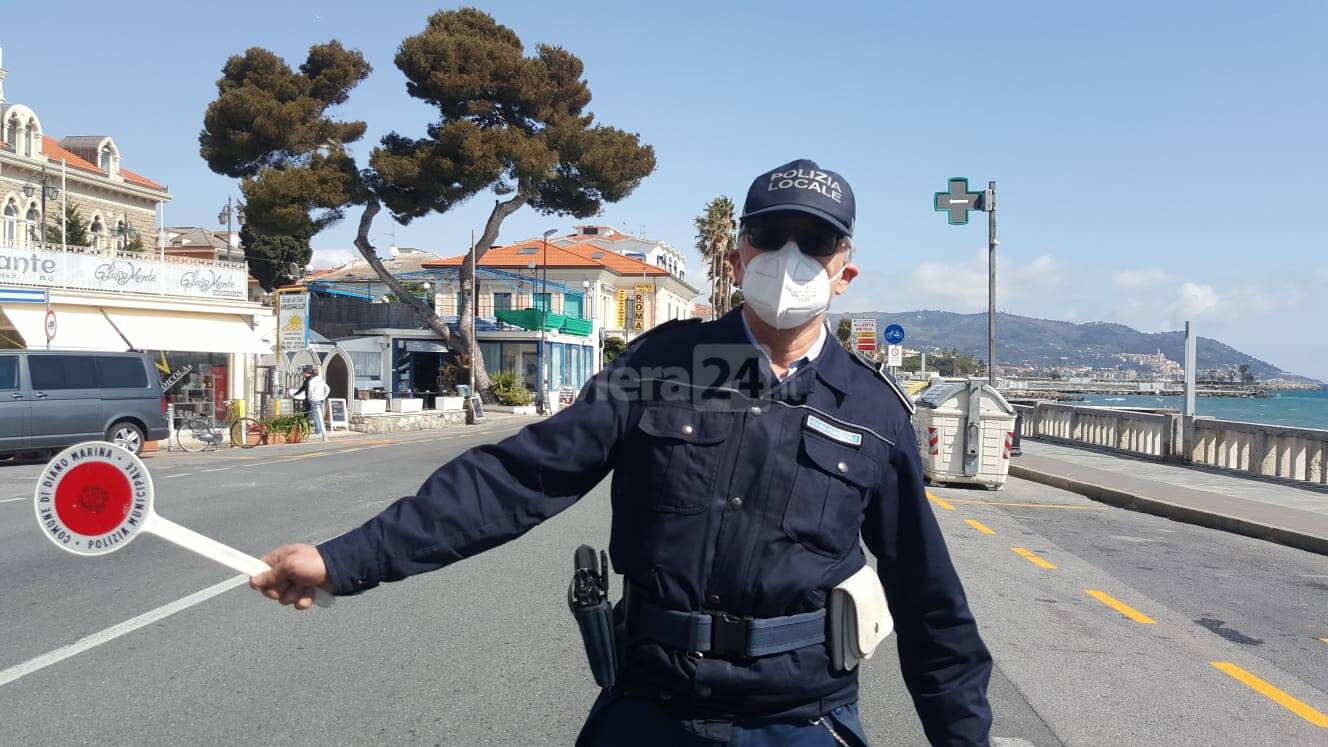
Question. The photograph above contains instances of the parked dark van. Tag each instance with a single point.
(50, 399)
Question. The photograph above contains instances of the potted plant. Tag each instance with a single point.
(511, 393)
(287, 429)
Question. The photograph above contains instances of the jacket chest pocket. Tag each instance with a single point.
(830, 491)
(679, 454)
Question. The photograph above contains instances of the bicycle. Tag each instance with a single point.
(200, 433)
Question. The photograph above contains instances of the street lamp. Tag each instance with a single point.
(126, 233)
(237, 210)
(48, 191)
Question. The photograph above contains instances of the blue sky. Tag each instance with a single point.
(1155, 161)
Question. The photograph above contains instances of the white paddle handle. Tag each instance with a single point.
(214, 550)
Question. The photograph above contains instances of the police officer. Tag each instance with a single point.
(749, 456)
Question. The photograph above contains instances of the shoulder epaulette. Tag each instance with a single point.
(674, 323)
(883, 375)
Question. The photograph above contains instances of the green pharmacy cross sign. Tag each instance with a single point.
(956, 202)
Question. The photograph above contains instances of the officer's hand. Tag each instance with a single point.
(296, 571)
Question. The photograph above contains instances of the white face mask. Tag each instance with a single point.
(786, 288)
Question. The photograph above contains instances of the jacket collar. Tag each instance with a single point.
(831, 365)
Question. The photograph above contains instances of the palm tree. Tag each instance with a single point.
(716, 236)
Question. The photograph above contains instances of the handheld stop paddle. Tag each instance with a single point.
(94, 498)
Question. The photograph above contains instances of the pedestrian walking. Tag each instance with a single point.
(314, 391)
(751, 461)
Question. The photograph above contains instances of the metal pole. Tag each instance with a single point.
(474, 309)
(544, 291)
(991, 283)
(64, 208)
(228, 228)
(1190, 355)
(43, 224)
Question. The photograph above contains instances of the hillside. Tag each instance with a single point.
(1045, 342)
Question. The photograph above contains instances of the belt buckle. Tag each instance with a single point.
(728, 635)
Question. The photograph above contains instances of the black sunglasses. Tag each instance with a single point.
(771, 237)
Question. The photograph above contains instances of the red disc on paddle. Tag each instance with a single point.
(93, 498)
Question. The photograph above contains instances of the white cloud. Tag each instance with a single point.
(1257, 300)
(963, 285)
(1194, 299)
(1140, 278)
(325, 258)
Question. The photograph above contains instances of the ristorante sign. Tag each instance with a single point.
(104, 272)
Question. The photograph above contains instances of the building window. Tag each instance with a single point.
(11, 133)
(11, 222)
(105, 159)
(29, 135)
(502, 301)
(542, 301)
(33, 220)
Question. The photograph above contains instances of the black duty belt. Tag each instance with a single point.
(724, 635)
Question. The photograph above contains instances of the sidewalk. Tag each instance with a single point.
(1288, 515)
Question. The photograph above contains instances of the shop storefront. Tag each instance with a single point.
(566, 364)
(185, 313)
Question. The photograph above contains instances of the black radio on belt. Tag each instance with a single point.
(588, 598)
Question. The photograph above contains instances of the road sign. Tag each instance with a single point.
(864, 334)
(957, 201)
(894, 356)
(50, 325)
(23, 295)
(94, 498)
(894, 334)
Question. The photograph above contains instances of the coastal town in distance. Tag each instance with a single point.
(525, 373)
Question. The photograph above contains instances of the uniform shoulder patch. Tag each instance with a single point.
(883, 375)
(672, 324)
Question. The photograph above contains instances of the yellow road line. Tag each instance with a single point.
(1032, 557)
(940, 502)
(1273, 693)
(1028, 505)
(978, 526)
(1120, 606)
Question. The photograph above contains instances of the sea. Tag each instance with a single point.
(1303, 409)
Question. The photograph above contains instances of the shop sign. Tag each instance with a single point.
(101, 272)
(293, 320)
(639, 310)
(622, 309)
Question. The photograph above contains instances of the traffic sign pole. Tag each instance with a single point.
(989, 204)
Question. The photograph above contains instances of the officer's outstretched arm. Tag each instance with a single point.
(485, 497)
(945, 664)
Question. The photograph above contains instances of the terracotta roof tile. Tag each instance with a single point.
(577, 255)
(51, 147)
(140, 180)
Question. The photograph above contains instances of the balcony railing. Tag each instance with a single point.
(337, 316)
(43, 265)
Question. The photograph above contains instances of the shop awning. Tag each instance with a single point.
(201, 333)
(76, 327)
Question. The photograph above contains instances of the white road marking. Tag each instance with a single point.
(20, 498)
(214, 469)
(58, 655)
(1010, 742)
(182, 474)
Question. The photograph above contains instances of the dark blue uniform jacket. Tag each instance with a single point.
(732, 491)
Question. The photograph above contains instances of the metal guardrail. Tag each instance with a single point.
(1299, 454)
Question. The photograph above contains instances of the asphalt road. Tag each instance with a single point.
(152, 645)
